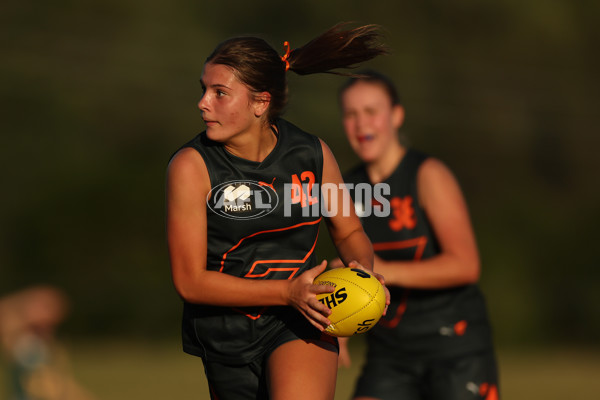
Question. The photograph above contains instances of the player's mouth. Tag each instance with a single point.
(365, 138)
(209, 122)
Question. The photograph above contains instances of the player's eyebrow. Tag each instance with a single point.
(219, 85)
(216, 85)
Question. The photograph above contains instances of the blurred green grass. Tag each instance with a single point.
(147, 370)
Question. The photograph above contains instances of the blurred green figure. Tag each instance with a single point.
(38, 364)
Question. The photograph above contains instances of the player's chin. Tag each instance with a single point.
(215, 134)
(368, 155)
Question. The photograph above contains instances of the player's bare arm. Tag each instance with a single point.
(344, 226)
(458, 262)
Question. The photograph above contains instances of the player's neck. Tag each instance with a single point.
(253, 146)
(384, 166)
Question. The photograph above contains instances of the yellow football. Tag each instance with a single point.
(356, 304)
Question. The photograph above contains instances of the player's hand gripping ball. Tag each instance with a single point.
(357, 302)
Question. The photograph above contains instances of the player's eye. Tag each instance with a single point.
(220, 93)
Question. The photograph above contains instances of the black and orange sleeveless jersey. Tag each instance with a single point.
(256, 230)
(419, 322)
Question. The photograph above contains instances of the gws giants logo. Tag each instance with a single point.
(242, 199)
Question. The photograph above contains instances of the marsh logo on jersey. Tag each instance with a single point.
(242, 199)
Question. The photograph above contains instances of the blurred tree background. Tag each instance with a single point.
(97, 95)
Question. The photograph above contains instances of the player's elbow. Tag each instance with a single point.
(471, 270)
(187, 289)
(183, 292)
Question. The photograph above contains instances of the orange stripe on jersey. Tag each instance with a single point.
(250, 275)
(261, 232)
(254, 317)
(418, 242)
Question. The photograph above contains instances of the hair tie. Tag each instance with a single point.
(285, 57)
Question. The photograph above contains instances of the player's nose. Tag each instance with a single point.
(203, 103)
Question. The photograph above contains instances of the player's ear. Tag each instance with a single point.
(397, 116)
(261, 103)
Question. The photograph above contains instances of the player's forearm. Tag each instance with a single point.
(441, 271)
(219, 289)
(357, 247)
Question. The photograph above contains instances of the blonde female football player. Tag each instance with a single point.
(435, 341)
(243, 217)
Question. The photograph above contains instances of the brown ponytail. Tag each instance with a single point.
(338, 47)
(262, 69)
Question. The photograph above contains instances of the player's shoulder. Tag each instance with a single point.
(433, 167)
(185, 155)
(434, 176)
(187, 161)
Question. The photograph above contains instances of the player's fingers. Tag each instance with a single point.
(319, 313)
(387, 299)
(319, 307)
(379, 277)
(356, 264)
(381, 280)
(320, 289)
(315, 323)
(336, 263)
(387, 291)
(315, 271)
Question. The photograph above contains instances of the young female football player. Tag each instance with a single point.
(243, 211)
(435, 342)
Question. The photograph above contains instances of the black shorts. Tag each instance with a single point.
(468, 377)
(248, 381)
